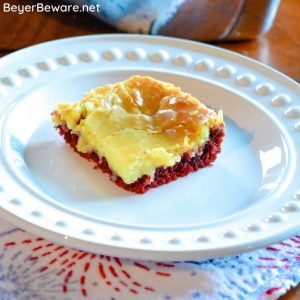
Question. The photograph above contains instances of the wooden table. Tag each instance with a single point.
(279, 48)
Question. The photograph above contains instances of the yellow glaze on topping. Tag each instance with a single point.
(138, 125)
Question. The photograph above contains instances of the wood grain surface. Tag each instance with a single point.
(279, 48)
(21, 30)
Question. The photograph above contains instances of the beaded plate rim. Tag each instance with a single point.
(278, 89)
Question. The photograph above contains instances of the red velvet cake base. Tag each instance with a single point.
(205, 157)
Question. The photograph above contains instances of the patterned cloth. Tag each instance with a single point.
(34, 268)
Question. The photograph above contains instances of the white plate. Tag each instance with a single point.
(249, 198)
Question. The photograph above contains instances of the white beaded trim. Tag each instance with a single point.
(194, 62)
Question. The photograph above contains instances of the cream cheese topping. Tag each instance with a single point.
(138, 125)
